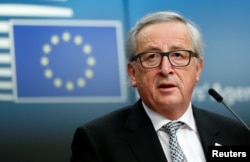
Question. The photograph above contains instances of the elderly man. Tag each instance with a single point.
(165, 53)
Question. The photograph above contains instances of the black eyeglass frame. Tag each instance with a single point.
(136, 56)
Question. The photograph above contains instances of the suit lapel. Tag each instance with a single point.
(142, 137)
(207, 131)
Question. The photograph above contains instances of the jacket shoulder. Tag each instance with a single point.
(228, 128)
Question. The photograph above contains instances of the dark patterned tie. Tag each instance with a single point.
(176, 152)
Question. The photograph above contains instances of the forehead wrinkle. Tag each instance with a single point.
(171, 39)
(146, 42)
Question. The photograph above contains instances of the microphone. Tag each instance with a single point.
(219, 98)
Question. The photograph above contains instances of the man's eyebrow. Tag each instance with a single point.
(151, 48)
(155, 48)
(177, 47)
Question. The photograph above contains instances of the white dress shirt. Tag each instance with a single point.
(187, 134)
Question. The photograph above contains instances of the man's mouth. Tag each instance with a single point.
(166, 85)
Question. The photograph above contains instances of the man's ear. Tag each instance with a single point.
(131, 74)
(199, 69)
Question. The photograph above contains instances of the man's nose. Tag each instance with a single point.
(166, 66)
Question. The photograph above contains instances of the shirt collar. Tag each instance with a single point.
(159, 120)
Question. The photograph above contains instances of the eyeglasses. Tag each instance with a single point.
(177, 58)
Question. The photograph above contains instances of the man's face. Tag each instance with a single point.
(166, 87)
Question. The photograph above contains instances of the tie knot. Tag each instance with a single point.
(172, 127)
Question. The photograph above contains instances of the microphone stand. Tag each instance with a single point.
(236, 116)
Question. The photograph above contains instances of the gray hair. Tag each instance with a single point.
(158, 17)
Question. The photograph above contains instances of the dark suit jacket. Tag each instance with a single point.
(127, 135)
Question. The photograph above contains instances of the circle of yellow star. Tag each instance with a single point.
(58, 82)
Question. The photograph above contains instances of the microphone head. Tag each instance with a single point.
(215, 95)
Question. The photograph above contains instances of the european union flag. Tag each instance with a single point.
(69, 60)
